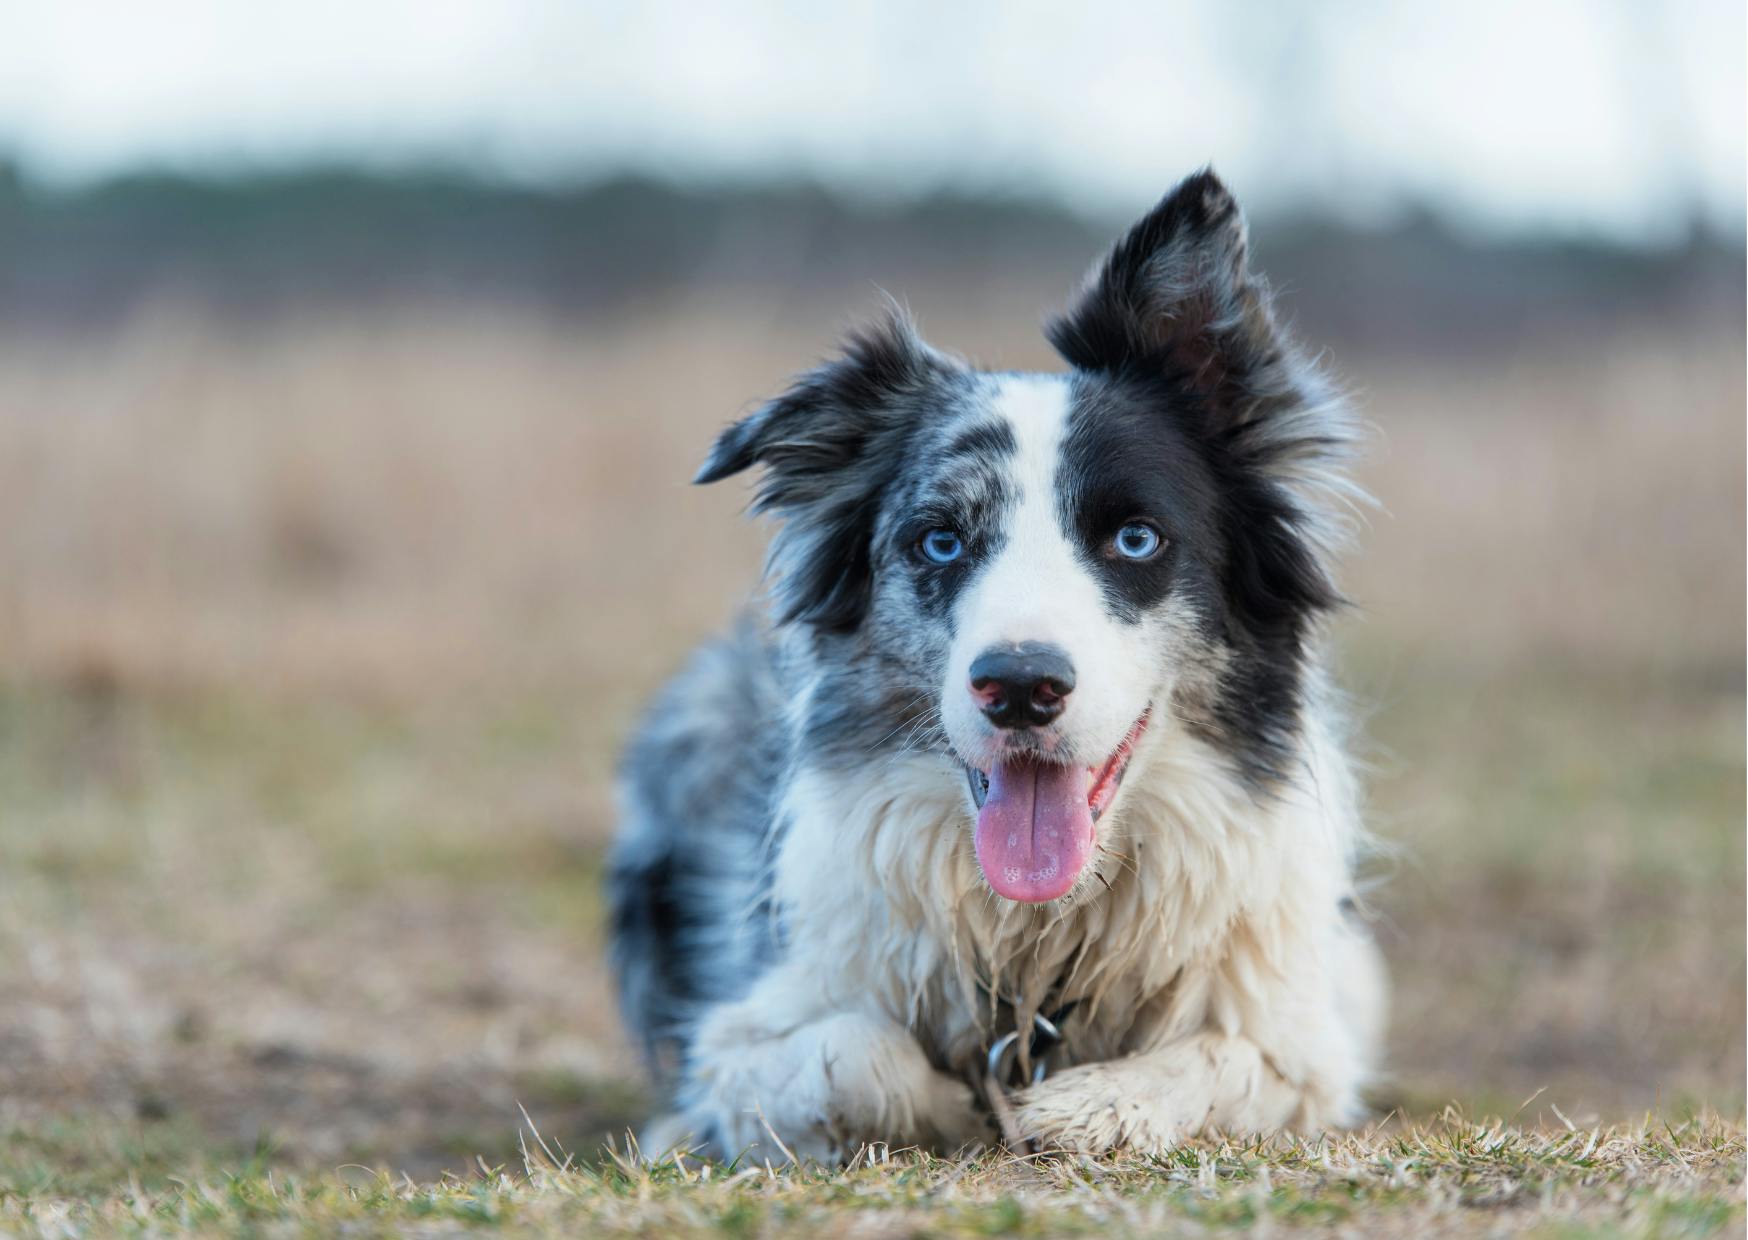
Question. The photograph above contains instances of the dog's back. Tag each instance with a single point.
(689, 871)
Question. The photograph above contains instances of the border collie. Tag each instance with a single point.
(1022, 811)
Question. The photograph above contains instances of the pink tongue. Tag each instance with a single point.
(1035, 830)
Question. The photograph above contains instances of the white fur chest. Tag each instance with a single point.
(881, 894)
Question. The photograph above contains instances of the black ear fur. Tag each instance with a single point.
(1175, 304)
(1175, 295)
(735, 449)
(830, 445)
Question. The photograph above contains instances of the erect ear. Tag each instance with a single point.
(830, 445)
(1175, 300)
(1175, 295)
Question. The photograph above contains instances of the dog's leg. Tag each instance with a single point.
(1289, 1050)
(818, 1086)
(1152, 1101)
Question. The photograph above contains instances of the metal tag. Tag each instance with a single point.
(1004, 1060)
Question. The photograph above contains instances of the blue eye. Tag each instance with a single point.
(941, 546)
(1137, 542)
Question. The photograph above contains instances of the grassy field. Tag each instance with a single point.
(1452, 1177)
(317, 638)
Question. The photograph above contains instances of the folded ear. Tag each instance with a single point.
(830, 445)
(829, 413)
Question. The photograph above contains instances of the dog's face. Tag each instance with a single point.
(1027, 572)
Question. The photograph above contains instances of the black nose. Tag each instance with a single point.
(1022, 686)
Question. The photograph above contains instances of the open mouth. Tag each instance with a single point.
(1036, 819)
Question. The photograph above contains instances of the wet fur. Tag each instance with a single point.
(804, 940)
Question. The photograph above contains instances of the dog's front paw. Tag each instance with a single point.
(819, 1090)
(1103, 1107)
(1151, 1102)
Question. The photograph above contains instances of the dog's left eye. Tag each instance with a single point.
(941, 546)
(1137, 541)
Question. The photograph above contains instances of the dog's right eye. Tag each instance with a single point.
(940, 546)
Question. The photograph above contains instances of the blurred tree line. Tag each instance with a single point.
(254, 245)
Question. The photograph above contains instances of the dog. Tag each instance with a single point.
(1021, 809)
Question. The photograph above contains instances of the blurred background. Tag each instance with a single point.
(354, 359)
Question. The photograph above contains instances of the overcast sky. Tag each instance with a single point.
(1610, 116)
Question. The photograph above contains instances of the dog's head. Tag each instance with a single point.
(1026, 572)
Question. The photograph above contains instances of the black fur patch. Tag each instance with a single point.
(1131, 454)
(1195, 410)
(987, 443)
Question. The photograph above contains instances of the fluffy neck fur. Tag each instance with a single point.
(1180, 920)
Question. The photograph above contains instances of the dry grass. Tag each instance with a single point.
(1450, 1177)
(317, 637)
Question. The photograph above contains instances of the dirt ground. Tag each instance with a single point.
(317, 637)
